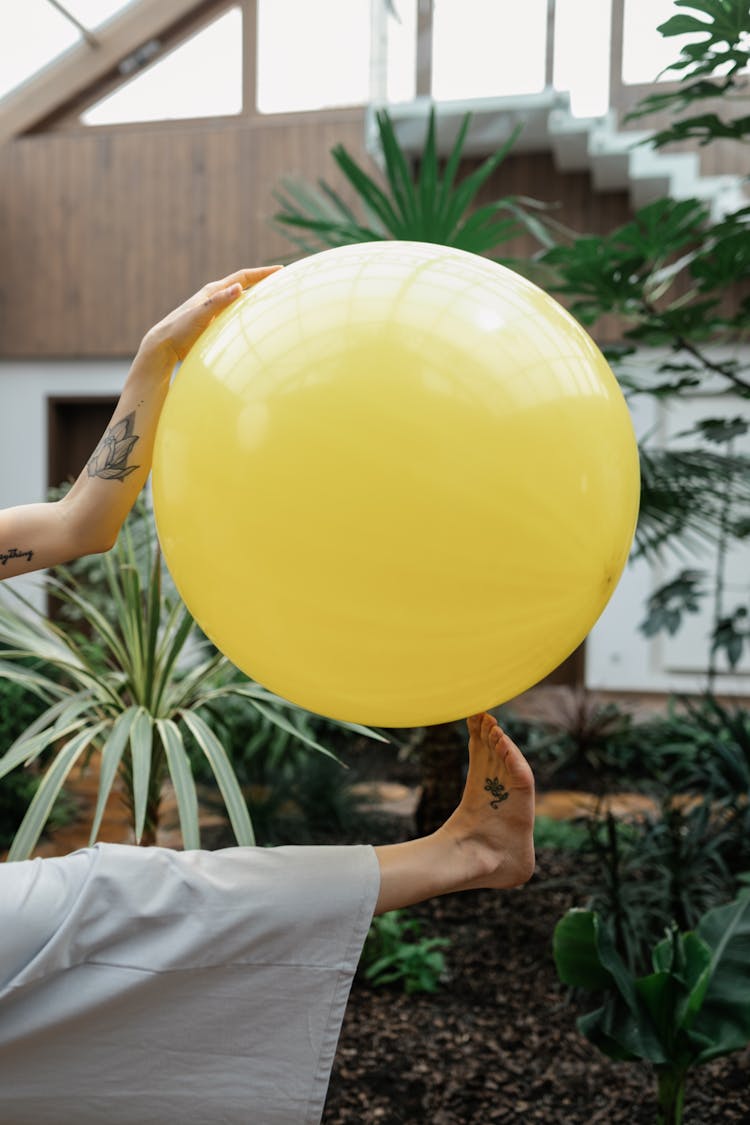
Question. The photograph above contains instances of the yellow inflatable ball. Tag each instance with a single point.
(395, 483)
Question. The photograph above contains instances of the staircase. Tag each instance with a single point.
(616, 159)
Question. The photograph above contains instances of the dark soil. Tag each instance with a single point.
(498, 1042)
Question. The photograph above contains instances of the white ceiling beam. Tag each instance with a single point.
(84, 65)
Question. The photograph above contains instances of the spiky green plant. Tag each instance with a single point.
(424, 206)
(130, 685)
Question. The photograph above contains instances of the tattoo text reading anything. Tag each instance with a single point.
(14, 553)
(110, 458)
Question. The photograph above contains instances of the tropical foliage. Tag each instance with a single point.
(692, 1007)
(133, 683)
(428, 205)
(667, 274)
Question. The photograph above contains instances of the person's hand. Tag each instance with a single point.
(173, 337)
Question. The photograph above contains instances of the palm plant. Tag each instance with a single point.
(129, 685)
(428, 206)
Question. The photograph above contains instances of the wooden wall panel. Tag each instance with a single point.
(101, 233)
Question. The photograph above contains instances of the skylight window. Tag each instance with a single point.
(94, 13)
(588, 85)
(312, 55)
(200, 78)
(482, 49)
(35, 35)
(38, 32)
(645, 53)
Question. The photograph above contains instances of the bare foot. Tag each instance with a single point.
(494, 824)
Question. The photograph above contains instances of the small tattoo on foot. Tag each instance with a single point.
(498, 791)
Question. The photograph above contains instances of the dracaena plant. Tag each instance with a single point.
(128, 682)
(424, 206)
(692, 1007)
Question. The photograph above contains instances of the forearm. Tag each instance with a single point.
(88, 518)
(97, 504)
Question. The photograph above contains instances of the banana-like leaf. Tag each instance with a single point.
(141, 743)
(228, 785)
(723, 1021)
(111, 756)
(49, 788)
(178, 765)
(575, 952)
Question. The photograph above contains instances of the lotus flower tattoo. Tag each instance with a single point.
(109, 459)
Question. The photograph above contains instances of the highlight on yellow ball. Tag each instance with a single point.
(396, 483)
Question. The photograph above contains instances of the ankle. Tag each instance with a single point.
(468, 856)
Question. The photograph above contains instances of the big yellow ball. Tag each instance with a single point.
(396, 483)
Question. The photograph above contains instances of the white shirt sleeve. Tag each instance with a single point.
(145, 985)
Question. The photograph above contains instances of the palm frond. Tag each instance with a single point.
(682, 501)
(216, 756)
(141, 746)
(112, 751)
(38, 811)
(178, 765)
(409, 205)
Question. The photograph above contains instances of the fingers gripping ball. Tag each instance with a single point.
(396, 483)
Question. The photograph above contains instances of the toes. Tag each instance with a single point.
(518, 768)
(490, 731)
(474, 723)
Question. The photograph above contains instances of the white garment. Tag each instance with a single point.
(143, 986)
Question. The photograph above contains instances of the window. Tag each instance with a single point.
(482, 48)
(583, 69)
(312, 55)
(35, 33)
(200, 78)
(644, 51)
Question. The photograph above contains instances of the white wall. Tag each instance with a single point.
(25, 387)
(618, 656)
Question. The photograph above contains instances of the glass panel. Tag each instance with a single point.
(488, 48)
(93, 13)
(584, 76)
(312, 55)
(401, 77)
(34, 35)
(644, 51)
(200, 78)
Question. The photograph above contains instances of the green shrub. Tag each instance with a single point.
(560, 835)
(18, 710)
(690, 1006)
(394, 952)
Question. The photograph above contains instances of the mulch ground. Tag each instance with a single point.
(498, 1042)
